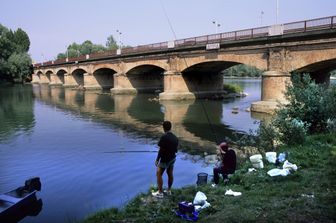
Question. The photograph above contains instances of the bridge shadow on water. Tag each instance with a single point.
(140, 116)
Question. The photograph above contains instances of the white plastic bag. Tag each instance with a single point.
(289, 166)
(200, 198)
(233, 193)
(271, 157)
(278, 172)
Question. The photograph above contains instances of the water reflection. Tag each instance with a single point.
(16, 111)
(199, 124)
(73, 130)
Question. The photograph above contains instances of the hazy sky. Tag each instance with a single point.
(54, 24)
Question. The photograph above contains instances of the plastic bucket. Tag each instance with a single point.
(202, 178)
(271, 157)
(256, 161)
(255, 158)
(258, 165)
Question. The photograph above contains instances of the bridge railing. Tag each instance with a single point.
(287, 28)
(309, 25)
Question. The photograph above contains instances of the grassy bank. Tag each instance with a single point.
(307, 195)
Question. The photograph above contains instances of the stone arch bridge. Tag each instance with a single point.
(191, 68)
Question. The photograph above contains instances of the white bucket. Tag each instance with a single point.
(256, 161)
(271, 157)
(255, 158)
(258, 165)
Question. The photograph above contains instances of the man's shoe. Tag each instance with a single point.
(157, 194)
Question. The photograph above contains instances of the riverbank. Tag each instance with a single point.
(306, 195)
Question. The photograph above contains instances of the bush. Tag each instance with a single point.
(310, 105)
(232, 88)
(310, 109)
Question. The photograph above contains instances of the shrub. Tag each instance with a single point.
(232, 88)
(310, 109)
(310, 105)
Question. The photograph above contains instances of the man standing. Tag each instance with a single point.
(166, 158)
(228, 162)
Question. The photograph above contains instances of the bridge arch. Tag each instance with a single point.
(155, 63)
(113, 67)
(60, 73)
(256, 60)
(48, 74)
(206, 76)
(319, 71)
(146, 77)
(38, 76)
(73, 69)
(104, 77)
(78, 75)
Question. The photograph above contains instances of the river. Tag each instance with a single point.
(76, 142)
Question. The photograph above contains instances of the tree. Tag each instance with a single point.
(111, 43)
(21, 40)
(15, 63)
(19, 66)
(7, 46)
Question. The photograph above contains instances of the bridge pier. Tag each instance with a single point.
(69, 81)
(122, 85)
(44, 79)
(273, 90)
(35, 78)
(54, 80)
(90, 82)
(175, 87)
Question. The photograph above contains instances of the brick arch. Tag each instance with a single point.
(39, 72)
(256, 60)
(209, 66)
(311, 59)
(73, 69)
(65, 70)
(113, 67)
(160, 63)
(49, 71)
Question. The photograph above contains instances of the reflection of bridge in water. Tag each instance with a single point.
(142, 118)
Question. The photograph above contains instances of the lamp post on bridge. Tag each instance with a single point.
(119, 42)
(119, 38)
(216, 25)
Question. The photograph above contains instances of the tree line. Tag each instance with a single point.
(15, 62)
(87, 47)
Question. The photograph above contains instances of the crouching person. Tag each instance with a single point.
(228, 163)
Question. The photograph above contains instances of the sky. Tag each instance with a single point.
(54, 24)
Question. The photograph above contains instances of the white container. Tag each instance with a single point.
(256, 161)
(258, 165)
(255, 158)
(271, 157)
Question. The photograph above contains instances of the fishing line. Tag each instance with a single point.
(132, 151)
(166, 15)
(196, 88)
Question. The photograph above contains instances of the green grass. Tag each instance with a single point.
(264, 199)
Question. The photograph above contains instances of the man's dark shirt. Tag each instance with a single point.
(168, 147)
(229, 161)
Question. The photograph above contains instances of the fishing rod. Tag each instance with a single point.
(132, 151)
(184, 59)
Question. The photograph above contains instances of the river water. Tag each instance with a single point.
(77, 143)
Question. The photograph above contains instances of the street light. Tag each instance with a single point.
(119, 37)
(261, 17)
(216, 25)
